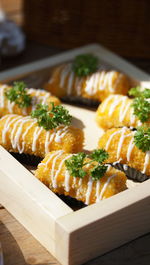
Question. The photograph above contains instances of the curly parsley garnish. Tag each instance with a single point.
(51, 118)
(76, 163)
(85, 64)
(141, 103)
(135, 91)
(142, 138)
(18, 94)
(99, 155)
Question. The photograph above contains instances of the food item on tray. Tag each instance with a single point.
(128, 150)
(19, 100)
(43, 132)
(79, 176)
(85, 80)
(119, 111)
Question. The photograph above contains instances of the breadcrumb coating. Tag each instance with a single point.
(97, 86)
(38, 96)
(53, 173)
(119, 143)
(23, 135)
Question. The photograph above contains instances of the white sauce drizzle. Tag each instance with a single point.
(53, 169)
(120, 143)
(10, 106)
(2, 96)
(105, 186)
(49, 159)
(147, 160)
(130, 148)
(7, 125)
(131, 145)
(100, 81)
(89, 190)
(80, 187)
(124, 108)
(17, 134)
(67, 176)
(89, 85)
(123, 112)
(26, 132)
(132, 116)
(80, 182)
(110, 138)
(115, 103)
(66, 70)
(74, 182)
(78, 86)
(61, 132)
(17, 131)
(114, 86)
(101, 86)
(12, 134)
(45, 98)
(99, 194)
(36, 134)
(105, 103)
(121, 140)
(55, 173)
(67, 181)
(40, 97)
(96, 81)
(52, 136)
(47, 142)
(111, 86)
(70, 83)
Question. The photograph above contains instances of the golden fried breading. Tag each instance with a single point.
(96, 86)
(23, 135)
(52, 172)
(119, 143)
(38, 96)
(116, 111)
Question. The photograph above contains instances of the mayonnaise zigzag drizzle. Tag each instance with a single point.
(15, 130)
(117, 111)
(38, 96)
(121, 141)
(73, 85)
(125, 105)
(54, 172)
(102, 80)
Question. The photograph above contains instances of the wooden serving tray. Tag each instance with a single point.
(74, 237)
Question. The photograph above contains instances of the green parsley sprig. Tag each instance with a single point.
(51, 118)
(75, 164)
(141, 103)
(142, 138)
(138, 92)
(135, 91)
(85, 64)
(18, 94)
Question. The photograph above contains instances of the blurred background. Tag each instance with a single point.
(51, 26)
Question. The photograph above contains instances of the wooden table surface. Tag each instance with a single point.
(19, 247)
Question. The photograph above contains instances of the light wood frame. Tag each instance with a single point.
(73, 237)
